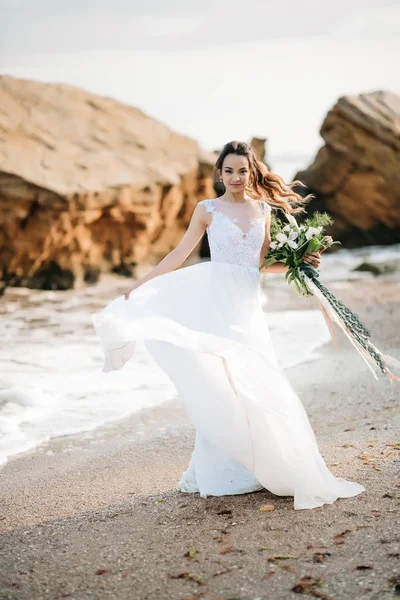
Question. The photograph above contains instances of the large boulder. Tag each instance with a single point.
(88, 184)
(356, 174)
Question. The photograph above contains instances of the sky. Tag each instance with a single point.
(215, 71)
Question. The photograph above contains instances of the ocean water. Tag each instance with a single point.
(51, 383)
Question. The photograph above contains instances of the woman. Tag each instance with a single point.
(204, 326)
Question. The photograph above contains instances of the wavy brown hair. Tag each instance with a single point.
(264, 185)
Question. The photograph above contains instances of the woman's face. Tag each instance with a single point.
(235, 172)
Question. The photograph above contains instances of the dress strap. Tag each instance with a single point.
(208, 204)
(265, 207)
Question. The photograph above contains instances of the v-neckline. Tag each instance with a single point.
(232, 220)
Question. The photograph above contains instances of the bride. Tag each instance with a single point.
(204, 326)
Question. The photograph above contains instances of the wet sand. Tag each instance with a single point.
(96, 515)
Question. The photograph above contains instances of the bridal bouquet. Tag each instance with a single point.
(289, 243)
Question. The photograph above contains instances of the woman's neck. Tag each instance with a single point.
(235, 198)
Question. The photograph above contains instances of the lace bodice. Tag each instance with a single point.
(237, 231)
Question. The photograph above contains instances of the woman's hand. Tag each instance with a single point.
(313, 259)
(128, 292)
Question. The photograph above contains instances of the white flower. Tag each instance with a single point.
(292, 221)
(273, 245)
(287, 240)
(312, 232)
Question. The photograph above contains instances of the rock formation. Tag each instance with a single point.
(88, 184)
(356, 175)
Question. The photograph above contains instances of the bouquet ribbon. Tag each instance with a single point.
(335, 311)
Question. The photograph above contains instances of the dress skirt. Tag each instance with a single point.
(204, 325)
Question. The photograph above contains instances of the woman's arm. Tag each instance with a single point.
(178, 255)
(278, 267)
(267, 241)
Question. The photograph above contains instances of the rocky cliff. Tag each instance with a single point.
(88, 184)
(356, 174)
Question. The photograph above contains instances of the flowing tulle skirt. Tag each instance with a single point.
(205, 327)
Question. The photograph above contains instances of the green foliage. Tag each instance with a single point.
(276, 225)
(291, 241)
(318, 220)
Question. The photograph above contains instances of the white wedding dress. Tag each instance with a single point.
(204, 326)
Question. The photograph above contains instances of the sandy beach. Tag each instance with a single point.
(96, 515)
